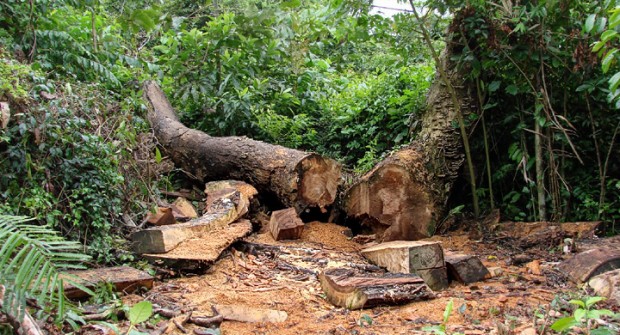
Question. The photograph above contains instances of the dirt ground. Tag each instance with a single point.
(505, 304)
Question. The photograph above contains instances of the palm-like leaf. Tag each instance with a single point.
(31, 259)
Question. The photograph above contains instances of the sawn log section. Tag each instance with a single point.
(298, 179)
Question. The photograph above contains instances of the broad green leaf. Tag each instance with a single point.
(578, 303)
(140, 312)
(579, 314)
(600, 24)
(608, 59)
(597, 46)
(157, 155)
(608, 35)
(614, 81)
(564, 324)
(589, 23)
(593, 300)
(494, 86)
(512, 89)
(447, 311)
(585, 87)
(614, 20)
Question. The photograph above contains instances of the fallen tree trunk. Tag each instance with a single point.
(404, 197)
(298, 179)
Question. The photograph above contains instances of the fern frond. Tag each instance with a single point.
(31, 259)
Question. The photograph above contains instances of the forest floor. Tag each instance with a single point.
(508, 303)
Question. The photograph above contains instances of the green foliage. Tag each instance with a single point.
(441, 329)
(32, 258)
(583, 316)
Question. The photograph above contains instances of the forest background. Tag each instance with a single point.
(324, 76)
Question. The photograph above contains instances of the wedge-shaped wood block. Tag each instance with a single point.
(424, 258)
(465, 269)
(122, 278)
(285, 224)
(345, 288)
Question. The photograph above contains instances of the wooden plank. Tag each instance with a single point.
(585, 265)
(424, 258)
(122, 278)
(465, 269)
(345, 288)
(205, 248)
(250, 314)
(285, 224)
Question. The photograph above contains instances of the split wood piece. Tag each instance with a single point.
(346, 288)
(122, 278)
(405, 195)
(296, 178)
(202, 249)
(165, 238)
(465, 269)
(424, 258)
(222, 189)
(607, 285)
(183, 209)
(585, 265)
(162, 217)
(285, 224)
(250, 314)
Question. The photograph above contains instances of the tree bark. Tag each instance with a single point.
(298, 179)
(404, 197)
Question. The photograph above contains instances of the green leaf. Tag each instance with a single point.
(512, 89)
(593, 300)
(585, 87)
(578, 303)
(579, 314)
(600, 24)
(614, 81)
(598, 46)
(494, 86)
(590, 23)
(615, 18)
(607, 35)
(447, 311)
(140, 312)
(157, 155)
(608, 59)
(564, 324)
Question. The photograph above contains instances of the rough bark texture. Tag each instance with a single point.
(345, 288)
(298, 179)
(404, 197)
(585, 265)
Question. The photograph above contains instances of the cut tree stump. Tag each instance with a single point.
(202, 249)
(285, 224)
(585, 265)
(250, 314)
(162, 217)
(221, 212)
(296, 178)
(424, 258)
(122, 278)
(346, 288)
(465, 269)
(405, 195)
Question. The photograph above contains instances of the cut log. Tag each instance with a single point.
(465, 269)
(297, 179)
(585, 265)
(345, 288)
(122, 278)
(250, 314)
(286, 225)
(202, 249)
(162, 239)
(424, 258)
(183, 209)
(607, 285)
(162, 217)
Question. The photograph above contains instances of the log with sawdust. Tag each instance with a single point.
(298, 179)
(404, 196)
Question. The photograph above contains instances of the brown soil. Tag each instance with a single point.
(286, 282)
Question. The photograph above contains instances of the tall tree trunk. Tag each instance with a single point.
(298, 179)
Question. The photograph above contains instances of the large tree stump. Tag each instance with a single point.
(404, 197)
(345, 288)
(423, 258)
(298, 179)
